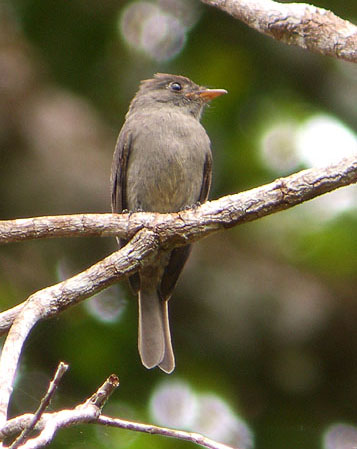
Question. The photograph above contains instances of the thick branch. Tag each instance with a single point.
(306, 26)
(190, 225)
(8, 317)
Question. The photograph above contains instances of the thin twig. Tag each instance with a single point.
(194, 437)
(86, 412)
(90, 412)
(100, 397)
(45, 402)
(50, 423)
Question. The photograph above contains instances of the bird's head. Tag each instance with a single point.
(176, 91)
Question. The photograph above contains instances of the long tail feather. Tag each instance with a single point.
(168, 362)
(151, 337)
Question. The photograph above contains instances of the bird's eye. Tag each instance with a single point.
(176, 87)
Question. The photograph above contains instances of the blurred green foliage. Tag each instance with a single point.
(265, 314)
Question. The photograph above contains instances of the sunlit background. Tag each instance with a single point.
(264, 316)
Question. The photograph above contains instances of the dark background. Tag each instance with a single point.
(264, 317)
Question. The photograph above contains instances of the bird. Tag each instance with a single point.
(162, 163)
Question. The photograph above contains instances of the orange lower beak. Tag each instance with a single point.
(206, 94)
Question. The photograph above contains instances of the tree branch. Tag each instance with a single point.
(300, 24)
(157, 430)
(81, 415)
(166, 230)
(193, 224)
(90, 412)
(151, 232)
(51, 300)
(49, 423)
(45, 402)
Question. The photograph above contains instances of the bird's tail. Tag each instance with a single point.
(154, 339)
(167, 364)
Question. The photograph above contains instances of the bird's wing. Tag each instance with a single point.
(118, 182)
(206, 179)
(179, 255)
(119, 171)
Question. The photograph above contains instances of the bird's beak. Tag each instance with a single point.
(206, 94)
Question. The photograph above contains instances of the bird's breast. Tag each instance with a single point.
(166, 163)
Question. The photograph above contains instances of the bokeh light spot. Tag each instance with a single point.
(218, 421)
(319, 141)
(324, 140)
(108, 305)
(153, 30)
(340, 436)
(278, 150)
(175, 404)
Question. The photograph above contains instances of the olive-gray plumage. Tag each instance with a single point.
(162, 163)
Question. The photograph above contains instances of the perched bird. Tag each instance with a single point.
(162, 163)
